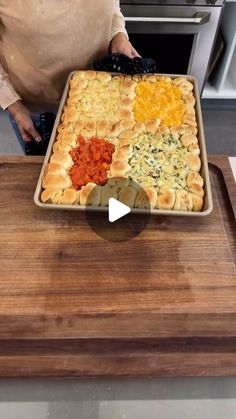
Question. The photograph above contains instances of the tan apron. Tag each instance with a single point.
(42, 41)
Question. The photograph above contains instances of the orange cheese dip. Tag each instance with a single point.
(159, 100)
(92, 159)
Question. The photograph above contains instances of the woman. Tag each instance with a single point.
(41, 41)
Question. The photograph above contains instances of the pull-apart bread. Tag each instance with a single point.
(120, 131)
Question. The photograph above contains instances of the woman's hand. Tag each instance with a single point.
(120, 44)
(23, 119)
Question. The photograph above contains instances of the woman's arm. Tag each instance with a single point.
(10, 100)
(119, 37)
(8, 94)
(118, 21)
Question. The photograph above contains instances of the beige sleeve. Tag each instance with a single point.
(118, 21)
(8, 94)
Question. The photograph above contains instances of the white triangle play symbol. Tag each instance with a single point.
(117, 210)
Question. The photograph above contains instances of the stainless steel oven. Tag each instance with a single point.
(179, 34)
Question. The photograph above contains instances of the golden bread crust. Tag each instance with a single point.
(183, 201)
(108, 192)
(69, 197)
(119, 168)
(56, 181)
(51, 196)
(166, 200)
(154, 165)
(127, 196)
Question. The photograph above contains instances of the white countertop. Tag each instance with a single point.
(233, 165)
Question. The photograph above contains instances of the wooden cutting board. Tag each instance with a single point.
(73, 304)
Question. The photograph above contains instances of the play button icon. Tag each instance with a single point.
(117, 210)
(117, 221)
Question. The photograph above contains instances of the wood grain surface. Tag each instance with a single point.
(74, 304)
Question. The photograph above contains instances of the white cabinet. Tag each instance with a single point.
(224, 86)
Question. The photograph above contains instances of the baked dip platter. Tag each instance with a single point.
(138, 139)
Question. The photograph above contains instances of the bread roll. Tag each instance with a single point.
(114, 130)
(69, 197)
(90, 75)
(62, 158)
(183, 201)
(127, 196)
(194, 178)
(142, 200)
(119, 168)
(128, 136)
(152, 196)
(56, 181)
(51, 195)
(140, 127)
(190, 121)
(196, 189)
(124, 113)
(197, 202)
(152, 126)
(103, 77)
(126, 103)
(166, 199)
(123, 152)
(101, 129)
(194, 149)
(193, 162)
(90, 195)
(188, 139)
(107, 192)
(55, 169)
(78, 127)
(69, 139)
(118, 182)
(61, 146)
(127, 86)
(70, 116)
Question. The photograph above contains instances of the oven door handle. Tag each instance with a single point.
(198, 18)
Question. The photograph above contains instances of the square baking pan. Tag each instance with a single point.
(208, 204)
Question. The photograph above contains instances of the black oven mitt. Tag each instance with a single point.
(34, 148)
(120, 63)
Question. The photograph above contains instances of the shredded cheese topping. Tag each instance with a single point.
(158, 162)
(159, 100)
(99, 102)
